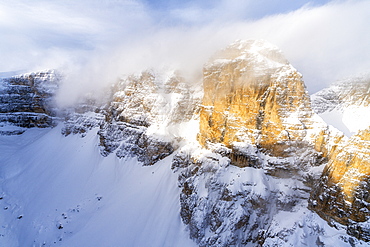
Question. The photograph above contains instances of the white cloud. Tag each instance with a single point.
(95, 41)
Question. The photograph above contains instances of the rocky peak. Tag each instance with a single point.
(145, 108)
(252, 94)
(156, 99)
(143, 116)
(252, 48)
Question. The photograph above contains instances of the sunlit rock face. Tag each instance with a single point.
(252, 94)
(256, 121)
(343, 194)
(343, 191)
(26, 101)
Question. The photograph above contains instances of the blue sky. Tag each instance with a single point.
(324, 40)
(251, 9)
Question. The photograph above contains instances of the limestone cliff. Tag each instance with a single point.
(26, 101)
(255, 121)
(343, 192)
(252, 94)
(141, 117)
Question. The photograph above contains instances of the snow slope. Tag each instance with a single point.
(349, 120)
(59, 191)
(345, 104)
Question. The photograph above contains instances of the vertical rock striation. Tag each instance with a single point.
(343, 193)
(252, 94)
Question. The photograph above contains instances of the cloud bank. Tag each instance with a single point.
(93, 42)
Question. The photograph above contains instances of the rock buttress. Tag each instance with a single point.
(343, 192)
(252, 94)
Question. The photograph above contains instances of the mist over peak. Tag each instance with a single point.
(94, 42)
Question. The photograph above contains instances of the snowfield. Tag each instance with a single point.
(59, 191)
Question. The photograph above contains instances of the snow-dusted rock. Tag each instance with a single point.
(141, 118)
(226, 205)
(26, 101)
(252, 94)
(343, 191)
(264, 151)
(345, 104)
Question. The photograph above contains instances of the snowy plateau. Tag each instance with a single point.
(240, 157)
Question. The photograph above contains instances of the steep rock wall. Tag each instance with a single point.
(26, 100)
(252, 94)
(141, 117)
(343, 193)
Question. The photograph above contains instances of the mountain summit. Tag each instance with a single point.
(252, 94)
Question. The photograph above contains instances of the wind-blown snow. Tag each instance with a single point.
(60, 191)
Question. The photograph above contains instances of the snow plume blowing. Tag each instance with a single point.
(95, 42)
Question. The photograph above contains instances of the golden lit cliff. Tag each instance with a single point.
(343, 191)
(252, 94)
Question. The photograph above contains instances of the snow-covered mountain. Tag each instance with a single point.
(345, 104)
(232, 160)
